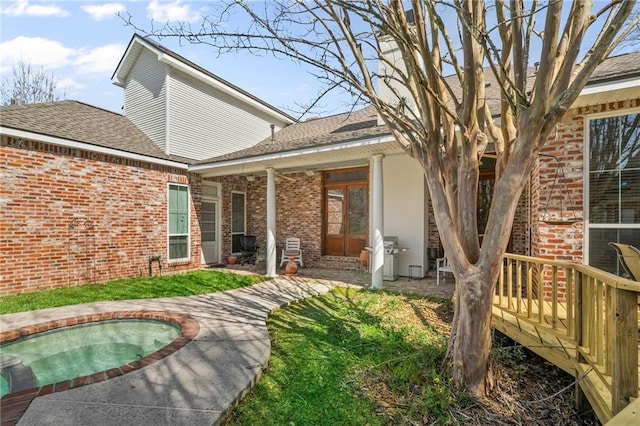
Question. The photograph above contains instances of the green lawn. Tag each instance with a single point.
(188, 284)
(354, 358)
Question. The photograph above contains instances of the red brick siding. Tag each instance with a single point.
(565, 241)
(298, 212)
(520, 230)
(72, 217)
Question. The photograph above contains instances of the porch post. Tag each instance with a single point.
(271, 222)
(377, 241)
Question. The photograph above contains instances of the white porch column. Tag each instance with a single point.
(377, 220)
(271, 222)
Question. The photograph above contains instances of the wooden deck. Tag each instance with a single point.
(581, 319)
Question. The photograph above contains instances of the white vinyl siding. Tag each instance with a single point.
(178, 222)
(205, 122)
(145, 97)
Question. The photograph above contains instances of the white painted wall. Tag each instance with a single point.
(404, 212)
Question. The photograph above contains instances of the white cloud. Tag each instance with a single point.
(23, 8)
(70, 87)
(35, 51)
(98, 12)
(174, 11)
(100, 60)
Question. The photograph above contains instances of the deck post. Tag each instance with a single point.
(582, 403)
(623, 314)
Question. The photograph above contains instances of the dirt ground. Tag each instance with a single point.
(528, 390)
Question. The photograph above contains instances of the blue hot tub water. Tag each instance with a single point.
(80, 350)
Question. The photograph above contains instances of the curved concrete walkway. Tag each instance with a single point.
(198, 384)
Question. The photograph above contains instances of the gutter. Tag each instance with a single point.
(90, 147)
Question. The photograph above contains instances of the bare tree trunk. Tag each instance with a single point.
(470, 342)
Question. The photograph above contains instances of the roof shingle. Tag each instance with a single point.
(76, 121)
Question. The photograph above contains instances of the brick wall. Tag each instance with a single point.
(72, 217)
(555, 199)
(298, 212)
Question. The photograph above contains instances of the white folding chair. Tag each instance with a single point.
(442, 267)
(292, 251)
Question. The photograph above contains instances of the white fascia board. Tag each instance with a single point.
(89, 147)
(611, 86)
(169, 60)
(120, 80)
(296, 153)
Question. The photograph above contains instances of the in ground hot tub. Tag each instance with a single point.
(91, 349)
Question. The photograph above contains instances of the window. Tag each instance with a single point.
(613, 208)
(178, 222)
(237, 220)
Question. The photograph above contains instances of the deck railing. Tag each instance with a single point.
(589, 316)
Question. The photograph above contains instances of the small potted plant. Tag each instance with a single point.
(232, 260)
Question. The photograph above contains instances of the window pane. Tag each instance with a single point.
(604, 197)
(629, 142)
(178, 247)
(178, 222)
(237, 212)
(358, 207)
(602, 255)
(614, 174)
(630, 196)
(605, 144)
(236, 246)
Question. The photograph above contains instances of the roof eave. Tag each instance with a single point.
(86, 146)
(244, 163)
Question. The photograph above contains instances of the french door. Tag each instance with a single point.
(346, 218)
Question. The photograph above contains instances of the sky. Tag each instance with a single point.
(80, 42)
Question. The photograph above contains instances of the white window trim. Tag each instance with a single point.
(585, 180)
(244, 232)
(188, 258)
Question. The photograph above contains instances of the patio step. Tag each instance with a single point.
(342, 263)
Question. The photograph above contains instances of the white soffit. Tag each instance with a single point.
(612, 91)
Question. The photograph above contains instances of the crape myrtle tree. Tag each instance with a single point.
(446, 124)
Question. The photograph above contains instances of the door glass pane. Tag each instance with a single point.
(335, 218)
(358, 206)
(208, 221)
(209, 191)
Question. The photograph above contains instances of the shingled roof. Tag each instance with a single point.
(314, 132)
(79, 122)
(363, 123)
(626, 65)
